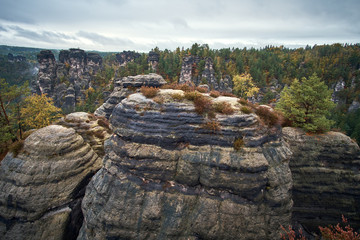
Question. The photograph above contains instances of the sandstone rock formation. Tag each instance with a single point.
(207, 75)
(126, 56)
(166, 176)
(124, 87)
(41, 188)
(153, 60)
(326, 177)
(94, 130)
(66, 80)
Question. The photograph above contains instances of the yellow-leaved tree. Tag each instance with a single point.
(39, 111)
(244, 86)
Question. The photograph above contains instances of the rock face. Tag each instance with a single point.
(125, 86)
(66, 80)
(165, 176)
(94, 130)
(207, 75)
(42, 187)
(47, 73)
(153, 60)
(326, 177)
(126, 56)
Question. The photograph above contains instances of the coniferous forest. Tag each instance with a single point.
(338, 65)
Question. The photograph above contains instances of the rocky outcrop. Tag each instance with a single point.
(207, 75)
(46, 79)
(94, 130)
(125, 86)
(187, 69)
(41, 188)
(66, 80)
(167, 176)
(153, 60)
(326, 177)
(126, 56)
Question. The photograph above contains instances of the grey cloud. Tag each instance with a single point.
(42, 36)
(104, 40)
(2, 29)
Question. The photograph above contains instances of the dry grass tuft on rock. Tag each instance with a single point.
(214, 94)
(213, 126)
(202, 89)
(203, 105)
(269, 116)
(238, 144)
(159, 100)
(246, 110)
(223, 108)
(243, 101)
(149, 92)
(177, 97)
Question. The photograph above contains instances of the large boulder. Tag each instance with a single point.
(124, 87)
(166, 176)
(41, 188)
(326, 178)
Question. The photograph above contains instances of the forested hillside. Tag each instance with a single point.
(271, 68)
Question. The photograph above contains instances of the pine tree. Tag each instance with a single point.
(307, 103)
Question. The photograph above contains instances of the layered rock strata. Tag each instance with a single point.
(94, 130)
(326, 177)
(124, 87)
(166, 176)
(41, 188)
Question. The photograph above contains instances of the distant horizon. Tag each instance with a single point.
(247, 47)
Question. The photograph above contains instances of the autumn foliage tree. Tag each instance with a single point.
(307, 103)
(244, 86)
(39, 111)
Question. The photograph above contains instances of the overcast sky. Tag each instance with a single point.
(116, 25)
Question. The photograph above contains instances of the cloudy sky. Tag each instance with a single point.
(116, 25)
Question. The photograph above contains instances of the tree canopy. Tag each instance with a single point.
(244, 86)
(306, 104)
(39, 111)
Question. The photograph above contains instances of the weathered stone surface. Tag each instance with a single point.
(166, 177)
(153, 60)
(74, 71)
(121, 90)
(326, 177)
(45, 81)
(126, 56)
(40, 189)
(207, 76)
(94, 130)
